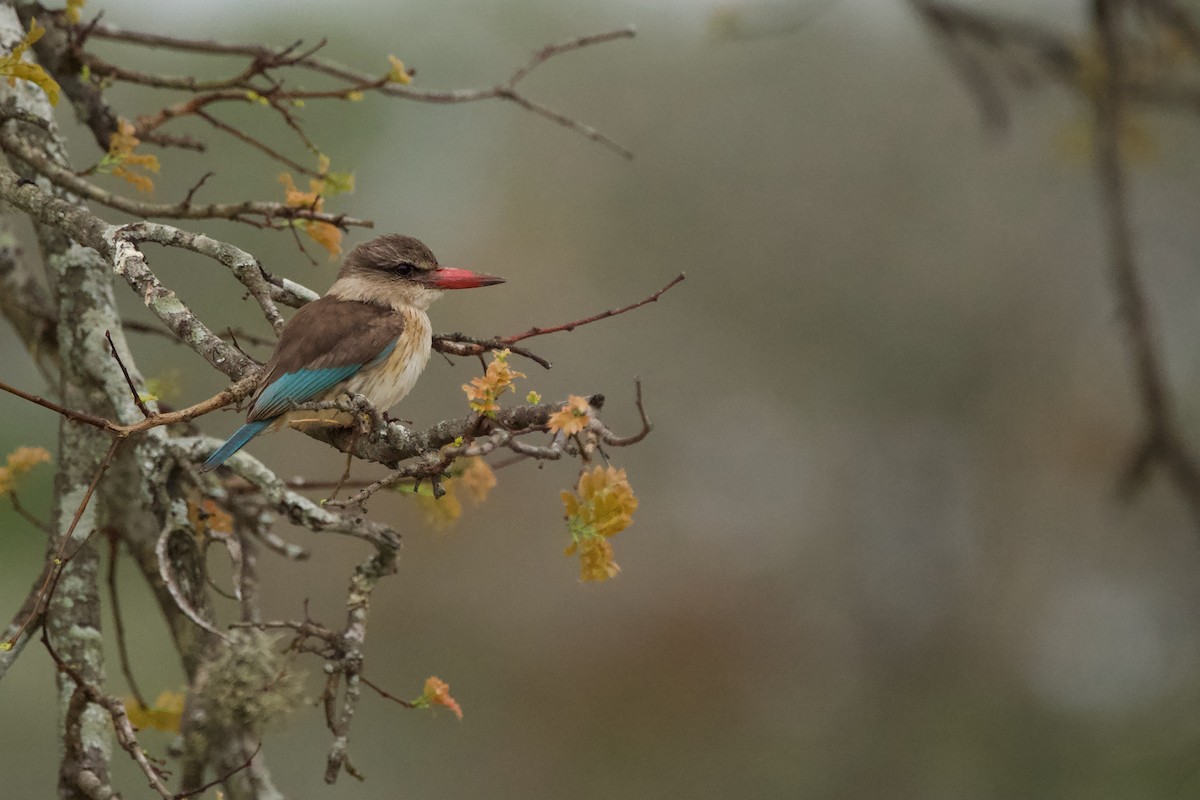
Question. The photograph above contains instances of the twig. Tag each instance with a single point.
(434, 466)
(256, 144)
(69, 413)
(221, 779)
(234, 392)
(361, 81)
(118, 621)
(26, 620)
(133, 390)
(615, 441)
(187, 198)
(460, 344)
(385, 695)
(32, 519)
(570, 326)
(1163, 441)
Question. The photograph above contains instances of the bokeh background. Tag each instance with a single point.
(879, 551)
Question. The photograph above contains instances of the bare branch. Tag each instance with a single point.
(360, 81)
(78, 416)
(26, 621)
(118, 620)
(133, 390)
(616, 441)
(570, 326)
(1163, 441)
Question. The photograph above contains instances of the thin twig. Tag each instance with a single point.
(1163, 441)
(616, 441)
(187, 198)
(118, 621)
(29, 516)
(133, 390)
(385, 695)
(222, 778)
(460, 344)
(359, 81)
(256, 144)
(233, 393)
(69, 413)
(570, 326)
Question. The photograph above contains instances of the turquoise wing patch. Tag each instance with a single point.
(299, 387)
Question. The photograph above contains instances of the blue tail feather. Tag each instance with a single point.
(236, 442)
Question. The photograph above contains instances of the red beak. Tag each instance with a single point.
(450, 278)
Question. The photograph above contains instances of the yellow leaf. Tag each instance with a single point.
(120, 158)
(601, 506)
(354, 97)
(168, 384)
(73, 9)
(441, 512)
(34, 73)
(166, 714)
(478, 478)
(12, 65)
(596, 560)
(338, 183)
(18, 463)
(603, 501)
(139, 182)
(398, 72)
(323, 233)
(294, 198)
(24, 459)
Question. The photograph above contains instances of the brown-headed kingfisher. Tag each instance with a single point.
(368, 335)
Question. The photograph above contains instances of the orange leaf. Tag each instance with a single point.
(437, 693)
(572, 418)
(327, 235)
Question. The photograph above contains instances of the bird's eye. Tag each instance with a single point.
(403, 269)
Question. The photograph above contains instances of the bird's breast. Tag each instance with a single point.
(387, 382)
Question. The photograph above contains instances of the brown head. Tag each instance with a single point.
(396, 269)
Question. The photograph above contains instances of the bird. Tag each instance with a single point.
(369, 334)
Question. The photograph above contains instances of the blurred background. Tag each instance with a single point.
(879, 551)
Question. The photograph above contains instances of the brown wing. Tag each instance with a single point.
(325, 343)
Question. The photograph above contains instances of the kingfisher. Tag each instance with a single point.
(369, 335)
